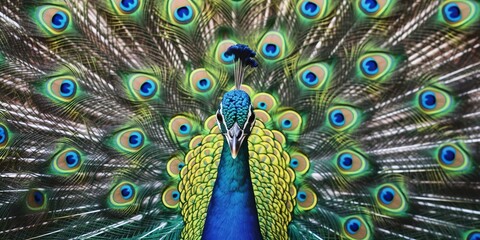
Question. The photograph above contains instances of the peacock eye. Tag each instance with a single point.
(171, 197)
(67, 161)
(272, 46)
(220, 55)
(53, 19)
(3, 135)
(126, 6)
(374, 8)
(131, 140)
(434, 101)
(390, 198)
(143, 87)
(182, 11)
(311, 10)
(459, 13)
(202, 82)
(123, 195)
(36, 199)
(376, 66)
(453, 158)
(342, 118)
(356, 228)
(264, 101)
(62, 89)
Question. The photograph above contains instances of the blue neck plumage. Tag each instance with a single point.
(232, 212)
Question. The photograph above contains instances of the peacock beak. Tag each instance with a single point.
(235, 138)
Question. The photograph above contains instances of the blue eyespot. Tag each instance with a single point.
(204, 84)
(59, 20)
(353, 225)
(310, 9)
(72, 158)
(309, 78)
(175, 195)
(129, 5)
(452, 12)
(370, 6)
(302, 196)
(135, 139)
(474, 236)
(428, 100)
(270, 50)
(345, 161)
(184, 129)
(126, 191)
(337, 118)
(387, 194)
(184, 14)
(180, 166)
(370, 66)
(286, 123)
(294, 163)
(448, 155)
(38, 197)
(228, 58)
(67, 88)
(3, 135)
(148, 88)
(262, 105)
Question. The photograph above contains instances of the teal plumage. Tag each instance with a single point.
(183, 119)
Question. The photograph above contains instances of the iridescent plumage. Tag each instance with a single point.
(209, 119)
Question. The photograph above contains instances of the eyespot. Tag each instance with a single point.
(343, 118)
(63, 89)
(473, 235)
(123, 195)
(452, 157)
(4, 136)
(143, 87)
(67, 161)
(182, 11)
(375, 66)
(289, 121)
(390, 198)
(171, 197)
(306, 199)
(131, 140)
(356, 228)
(53, 19)
(220, 52)
(313, 9)
(272, 46)
(126, 6)
(459, 13)
(299, 162)
(183, 128)
(434, 101)
(202, 82)
(36, 199)
(174, 166)
(264, 101)
(195, 142)
(313, 76)
(351, 163)
(374, 8)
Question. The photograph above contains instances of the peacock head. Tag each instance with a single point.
(236, 119)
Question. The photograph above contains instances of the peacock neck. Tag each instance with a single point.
(232, 212)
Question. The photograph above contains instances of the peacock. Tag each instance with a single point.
(240, 119)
